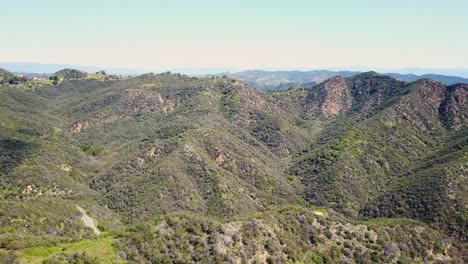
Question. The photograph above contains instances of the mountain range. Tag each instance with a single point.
(263, 79)
(350, 168)
(283, 80)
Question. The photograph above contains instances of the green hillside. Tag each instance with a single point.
(176, 169)
(7, 77)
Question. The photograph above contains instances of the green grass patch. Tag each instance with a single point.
(100, 248)
(390, 124)
(41, 252)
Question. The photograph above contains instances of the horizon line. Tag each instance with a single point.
(221, 69)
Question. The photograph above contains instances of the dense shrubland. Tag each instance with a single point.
(180, 169)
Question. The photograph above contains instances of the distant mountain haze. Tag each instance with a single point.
(283, 80)
(260, 79)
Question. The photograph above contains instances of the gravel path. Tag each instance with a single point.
(88, 221)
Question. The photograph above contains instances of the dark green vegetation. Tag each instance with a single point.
(176, 169)
(10, 78)
(71, 74)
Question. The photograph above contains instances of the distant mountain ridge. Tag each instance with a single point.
(33, 69)
(283, 80)
(39, 68)
(447, 80)
(268, 79)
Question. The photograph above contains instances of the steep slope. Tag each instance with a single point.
(183, 169)
(394, 134)
(166, 134)
(42, 176)
(454, 108)
(434, 190)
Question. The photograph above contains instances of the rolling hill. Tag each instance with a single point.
(177, 169)
(7, 77)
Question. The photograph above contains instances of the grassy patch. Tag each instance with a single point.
(100, 248)
(40, 252)
(390, 124)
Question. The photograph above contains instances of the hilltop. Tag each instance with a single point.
(365, 168)
(71, 74)
(283, 80)
(32, 80)
(7, 77)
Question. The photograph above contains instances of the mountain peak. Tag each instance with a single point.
(370, 73)
(338, 96)
(373, 75)
(68, 74)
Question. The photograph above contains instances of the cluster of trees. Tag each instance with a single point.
(287, 234)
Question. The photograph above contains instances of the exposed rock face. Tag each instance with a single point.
(421, 106)
(30, 189)
(338, 98)
(65, 167)
(147, 101)
(252, 97)
(220, 159)
(55, 191)
(152, 153)
(429, 93)
(454, 107)
(78, 127)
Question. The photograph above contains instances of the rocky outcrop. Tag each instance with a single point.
(64, 167)
(454, 107)
(79, 127)
(220, 158)
(338, 97)
(420, 107)
(152, 153)
(140, 100)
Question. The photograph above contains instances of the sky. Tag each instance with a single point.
(241, 34)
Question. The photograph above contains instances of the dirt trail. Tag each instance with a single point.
(88, 221)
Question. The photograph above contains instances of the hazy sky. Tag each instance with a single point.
(241, 34)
